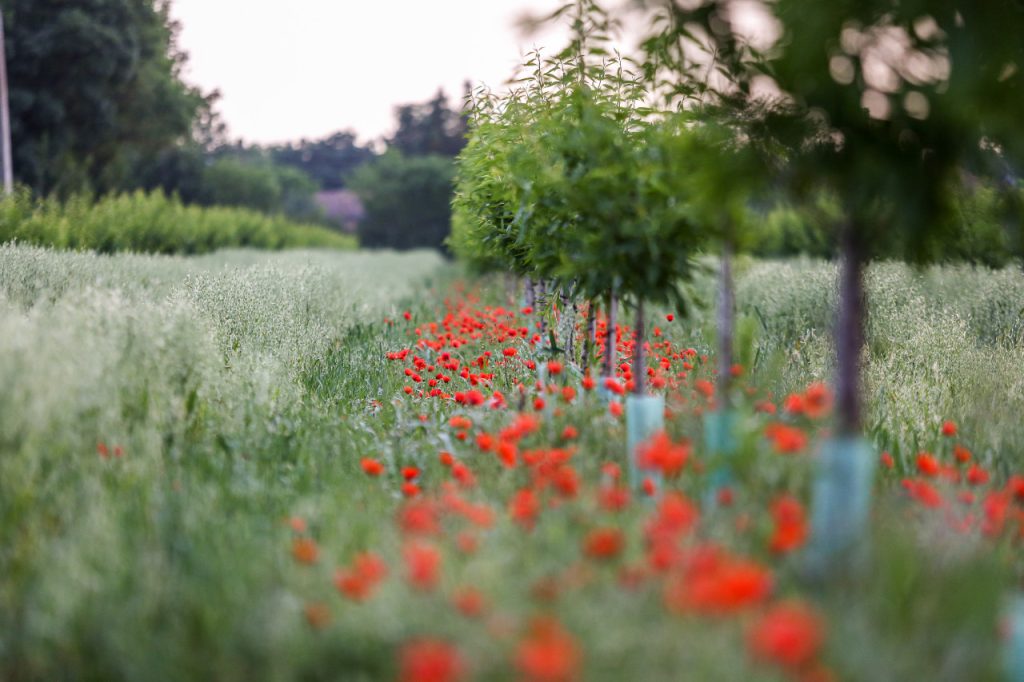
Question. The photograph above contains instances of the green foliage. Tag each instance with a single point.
(151, 223)
(95, 91)
(407, 201)
(429, 128)
(260, 186)
(328, 162)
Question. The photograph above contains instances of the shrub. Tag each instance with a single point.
(407, 201)
(152, 223)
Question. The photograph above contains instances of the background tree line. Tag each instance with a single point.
(99, 106)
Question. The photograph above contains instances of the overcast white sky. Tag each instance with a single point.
(306, 68)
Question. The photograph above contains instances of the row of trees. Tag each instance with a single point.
(607, 176)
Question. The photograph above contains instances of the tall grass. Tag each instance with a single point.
(195, 371)
(945, 342)
(151, 223)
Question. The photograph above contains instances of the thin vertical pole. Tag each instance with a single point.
(5, 116)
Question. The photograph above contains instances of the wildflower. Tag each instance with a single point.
(305, 551)
(887, 460)
(548, 653)
(661, 454)
(507, 452)
(614, 386)
(648, 486)
(603, 543)
(422, 563)
(485, 441)
(570, 433)
(674, 516)
(446, 459)
(613, 498)
(538, 404)
(372, 467)
(715, 583)
(705, 387)
(462, 474)
(794, 404)
(790, 524)
(927, 464)
(467, 542)
(961, 453)
(410, 489)
(670, 317)
(419, 517)
(470, 602)
(924, 493)
(976, 475)
(948, 429)
(817, 400)
(554, 367)
(786, 439)
(430, 660)
(588, 383)
(568, 393)
(317, 615)
(615, 409)
(409, 473)
(524, 508)
(297, 524)
(509, 352)
(788, 634)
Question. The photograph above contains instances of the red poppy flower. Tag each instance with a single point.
(604, 543)
(548, 653)
(789, 634)
(422, 563)
(430, 660)
(372, 467)
(305, 550)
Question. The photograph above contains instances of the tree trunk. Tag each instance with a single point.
(530, 299)
(639, 362)
(541, 303)
(726, 321)
(849, 332)
(609, 340)
(566, 324)
(588, 344)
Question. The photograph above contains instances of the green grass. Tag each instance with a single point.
(245, 387)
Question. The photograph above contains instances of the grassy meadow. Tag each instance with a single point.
(184, 480)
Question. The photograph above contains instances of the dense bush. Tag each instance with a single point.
(151, 223)
(407, 200)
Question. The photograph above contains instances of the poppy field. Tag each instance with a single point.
(245, 466)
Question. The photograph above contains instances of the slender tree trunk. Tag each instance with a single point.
(726, 320)
(530, 298)
(609, 339)
(639, 361)
(572, 330)
(850, 332)
(541, 302)
(588, 344)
